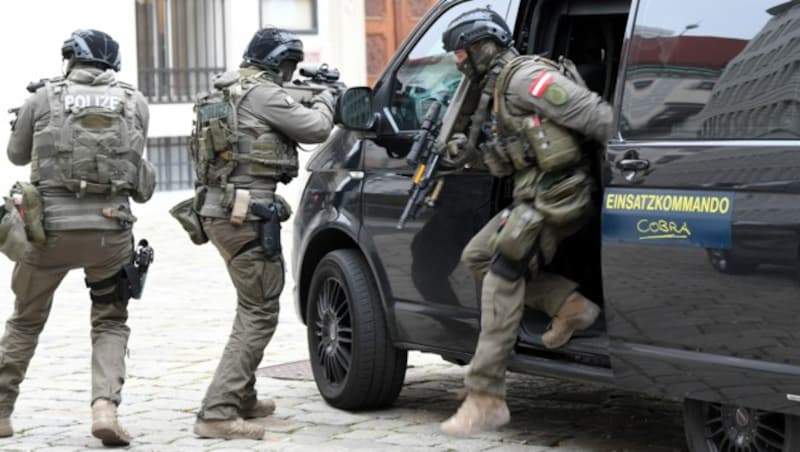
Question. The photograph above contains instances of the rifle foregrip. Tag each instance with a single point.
(419, 142)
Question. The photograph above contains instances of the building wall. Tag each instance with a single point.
(32, 33)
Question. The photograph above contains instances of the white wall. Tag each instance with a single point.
(32, 32)
(339, 42)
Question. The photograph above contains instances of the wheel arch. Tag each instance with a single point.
(322, 243)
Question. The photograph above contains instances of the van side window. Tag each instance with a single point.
(697, 72)
(429, 72)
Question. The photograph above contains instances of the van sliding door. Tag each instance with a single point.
(701, 211)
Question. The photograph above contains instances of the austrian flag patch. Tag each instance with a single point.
(540, 84)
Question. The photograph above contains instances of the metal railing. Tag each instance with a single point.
(173, 85)
(170, 156)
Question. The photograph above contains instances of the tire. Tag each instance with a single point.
(712, 427)
(722, 262)
(354, 362)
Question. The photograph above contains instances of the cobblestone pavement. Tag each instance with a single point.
(179, 329)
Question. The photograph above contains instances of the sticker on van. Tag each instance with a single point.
(668, 217)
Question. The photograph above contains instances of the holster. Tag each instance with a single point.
(269, 226)
(128, 282)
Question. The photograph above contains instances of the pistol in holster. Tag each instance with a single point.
(269, 226)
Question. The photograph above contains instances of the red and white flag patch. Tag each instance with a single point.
(540, 84)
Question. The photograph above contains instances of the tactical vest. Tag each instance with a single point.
(86, 147)
(531, 140)
(223, 154)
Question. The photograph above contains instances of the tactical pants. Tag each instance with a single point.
(101, 254)
(258, 281)
(502, 305)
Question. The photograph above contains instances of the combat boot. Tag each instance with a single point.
(261, 408)
(577, 313)
(478, 412)
(105, 424)
(6, 429)
(228, 429)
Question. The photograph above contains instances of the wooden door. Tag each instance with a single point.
(388, 22)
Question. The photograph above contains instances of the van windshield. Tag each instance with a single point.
(429, 72)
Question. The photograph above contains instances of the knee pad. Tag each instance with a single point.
(508, 269)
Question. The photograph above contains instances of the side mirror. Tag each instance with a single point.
(354, 109)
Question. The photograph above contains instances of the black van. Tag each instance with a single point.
(693, 254)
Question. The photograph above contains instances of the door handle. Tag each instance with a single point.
(636, 165)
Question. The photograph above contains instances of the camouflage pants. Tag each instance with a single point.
(258, 281)
(101, 254)
(502, 305)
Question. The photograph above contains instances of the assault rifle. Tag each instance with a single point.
(424, 155)
(32, 87)
(318, 79)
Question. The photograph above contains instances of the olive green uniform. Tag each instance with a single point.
(77, 234)
(573, 107)
(266, 114)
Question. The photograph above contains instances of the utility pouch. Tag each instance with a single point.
(497, 164)
(13, 238)
(31, 210)
(564, 198)
(555, 147)
(518, 152)
(525, 184)
(187, 216)
(518, 232)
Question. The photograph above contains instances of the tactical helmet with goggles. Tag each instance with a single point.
(481, 33)
(275, 49)
(93, 47)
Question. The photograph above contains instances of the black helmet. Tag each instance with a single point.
(473, 26)
(272, 46)
(92, 46)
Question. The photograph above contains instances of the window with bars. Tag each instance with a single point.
(299, 16)
(181, 46)
(170, 156)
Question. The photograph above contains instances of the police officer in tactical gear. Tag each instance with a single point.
(245, 142)
(83, 135)
(536, 112)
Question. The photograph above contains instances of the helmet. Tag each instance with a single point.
(92, 46)
(270, 47)
(481, 33)
(473, 26)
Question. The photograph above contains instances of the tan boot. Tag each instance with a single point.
(228, 429)
(262, 408)
(6, 429)
(478, 412)
(577, 313)
(105, 424)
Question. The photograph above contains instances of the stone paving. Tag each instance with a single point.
(179, 329)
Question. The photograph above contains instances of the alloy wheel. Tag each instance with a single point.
(333, 331)
(738, 429)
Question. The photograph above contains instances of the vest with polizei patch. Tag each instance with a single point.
(224, 154)
(83, 160)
